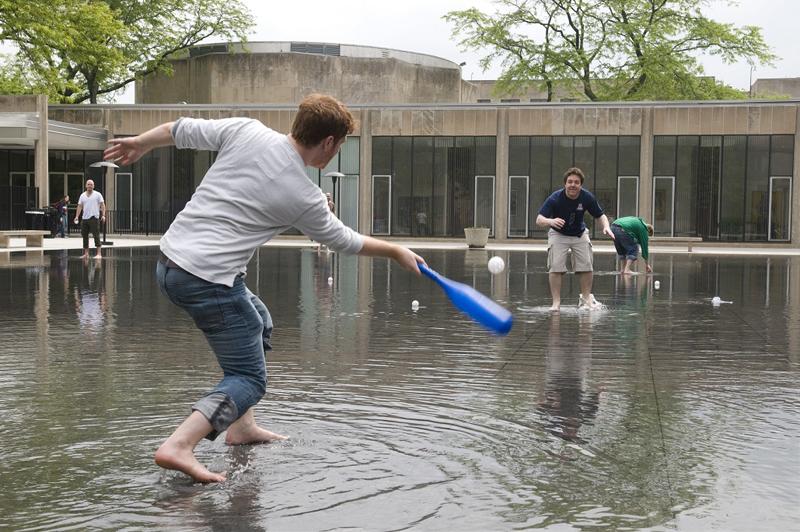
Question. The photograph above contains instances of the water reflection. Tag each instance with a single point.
(90, 298)
(659, 412)
(568, 400)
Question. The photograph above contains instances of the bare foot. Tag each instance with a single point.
(85, 256)
(180, 458)
(98, 256)
(555, 308)
(250, 433)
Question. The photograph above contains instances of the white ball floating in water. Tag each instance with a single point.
(716, 301)
(415, 305)
(496, 265)
(330, 280)
(657, 285)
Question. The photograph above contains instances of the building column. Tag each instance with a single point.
(795, 221)
(501, 177)
(646, 166)
(365, 174)
(110, 179)
(40, 151)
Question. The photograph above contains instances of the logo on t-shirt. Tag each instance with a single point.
(580, 207)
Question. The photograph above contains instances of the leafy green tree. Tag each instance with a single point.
(51, 37)
(82, 50)
(608, 49)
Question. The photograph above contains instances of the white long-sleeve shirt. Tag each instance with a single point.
(256, 188)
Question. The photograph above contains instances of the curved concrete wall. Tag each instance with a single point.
(285, 78)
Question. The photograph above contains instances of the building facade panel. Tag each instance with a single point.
(724, 172)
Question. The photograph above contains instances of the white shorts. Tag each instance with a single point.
(559, 246)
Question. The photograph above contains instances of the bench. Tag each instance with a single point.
(33, 237)
(688, 240)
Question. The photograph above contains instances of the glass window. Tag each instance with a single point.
(21, 161)
(732, 204)
(382, 155)
(4, 168)
(347, 201)
(542, 181)
(780, 208)
(122, 219)
(485, 155)
(381, 204)
(75, 162)
(562, 158)
(663, 205)
(664, 155)
(756, 199)
(781, 152)
(519, 156)
(686, 186)
(484, 202)
(75, 187)
(628, 194)
(461, 170)
(441, 203)
(708, 182)
(401, 186)
(57, 161)
(585, 159)
(518, 206)
(423, 186)
(57, 186)
(348, 156)
(629, 155)
(182, 179)
(605, 186)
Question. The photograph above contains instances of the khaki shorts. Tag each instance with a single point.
(559, 246)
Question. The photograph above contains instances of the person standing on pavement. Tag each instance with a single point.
(63, 222)
(91, 213)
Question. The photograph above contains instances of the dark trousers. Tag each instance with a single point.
(90, 225)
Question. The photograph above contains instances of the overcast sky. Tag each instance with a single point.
(417, 26)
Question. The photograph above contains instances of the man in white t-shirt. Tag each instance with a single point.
(91, 211)
(256, 189)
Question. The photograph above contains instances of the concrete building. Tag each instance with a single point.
(720, 171)
(778, 88)
(285, 72)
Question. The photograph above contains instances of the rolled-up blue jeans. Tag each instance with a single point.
(238, 327)
(626, 246)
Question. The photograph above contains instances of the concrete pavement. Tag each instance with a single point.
(600, 246)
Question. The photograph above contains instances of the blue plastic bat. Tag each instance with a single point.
(472, 303)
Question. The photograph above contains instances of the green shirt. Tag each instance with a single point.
(635, 227)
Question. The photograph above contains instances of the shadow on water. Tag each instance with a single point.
(660, 411)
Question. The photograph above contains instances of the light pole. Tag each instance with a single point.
(104, 165)
(334, 177)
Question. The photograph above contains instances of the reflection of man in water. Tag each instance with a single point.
(567, 403)
(90, 303)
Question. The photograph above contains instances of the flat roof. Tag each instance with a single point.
(22, 130)
(319, 48)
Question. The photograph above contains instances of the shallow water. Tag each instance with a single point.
(658, 412)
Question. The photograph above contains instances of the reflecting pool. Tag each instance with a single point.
(661, 411)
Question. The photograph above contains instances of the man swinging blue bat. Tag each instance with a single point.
(256, 188)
